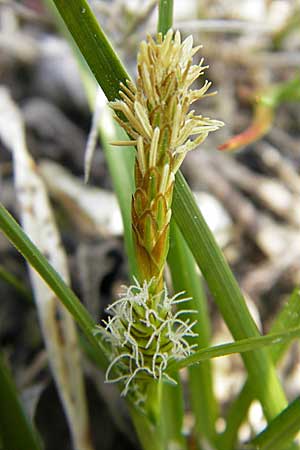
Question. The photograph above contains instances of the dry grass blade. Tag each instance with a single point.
(57, 324)
(82, 202)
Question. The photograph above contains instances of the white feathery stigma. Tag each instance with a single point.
(143, 334)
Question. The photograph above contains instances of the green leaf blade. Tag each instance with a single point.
(185, 278)
(16, 431)
(281, 431)
(241, 346)
(93, 44)
(227, 295)
(288, 318)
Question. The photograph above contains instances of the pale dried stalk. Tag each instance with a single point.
(82, 201)
(57, 324)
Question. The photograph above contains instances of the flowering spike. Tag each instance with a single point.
(159, 114)
(144, 333)
(143, 337)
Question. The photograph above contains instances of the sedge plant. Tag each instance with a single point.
(151, 333)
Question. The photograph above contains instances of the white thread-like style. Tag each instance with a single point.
(144, 334)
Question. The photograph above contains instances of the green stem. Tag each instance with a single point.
(165, 16)
(16, 431)
(172, 396)
(288, 318)
(280, 432)
(227, 295)
(185, 278)
(172, 415)
(146, 431)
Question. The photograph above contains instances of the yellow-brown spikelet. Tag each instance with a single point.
(155, 113)
(144, 332)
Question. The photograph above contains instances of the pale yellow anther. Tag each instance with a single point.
(178, 161)
(166, 44)
(154, 148)
(164, 178)
(127, 91)
(126, 99)
(186, 49)
(177, 38)
(135, 123)
(131, 86)
(141, 155)
(149, 91)
(141, 113)
(143, 54)
(123, 143)
(196, 50)
(176, 124)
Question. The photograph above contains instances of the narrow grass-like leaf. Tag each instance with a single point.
(280, 431)
(13, 281)
(235, 417)
(120, 160)
(288, 318)
(241, 346)
(172, 415)
(227, 295)
(33, 256)
(109, 72)
(16, 432)
(185, 278)
(146, 431)
(93, 44)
